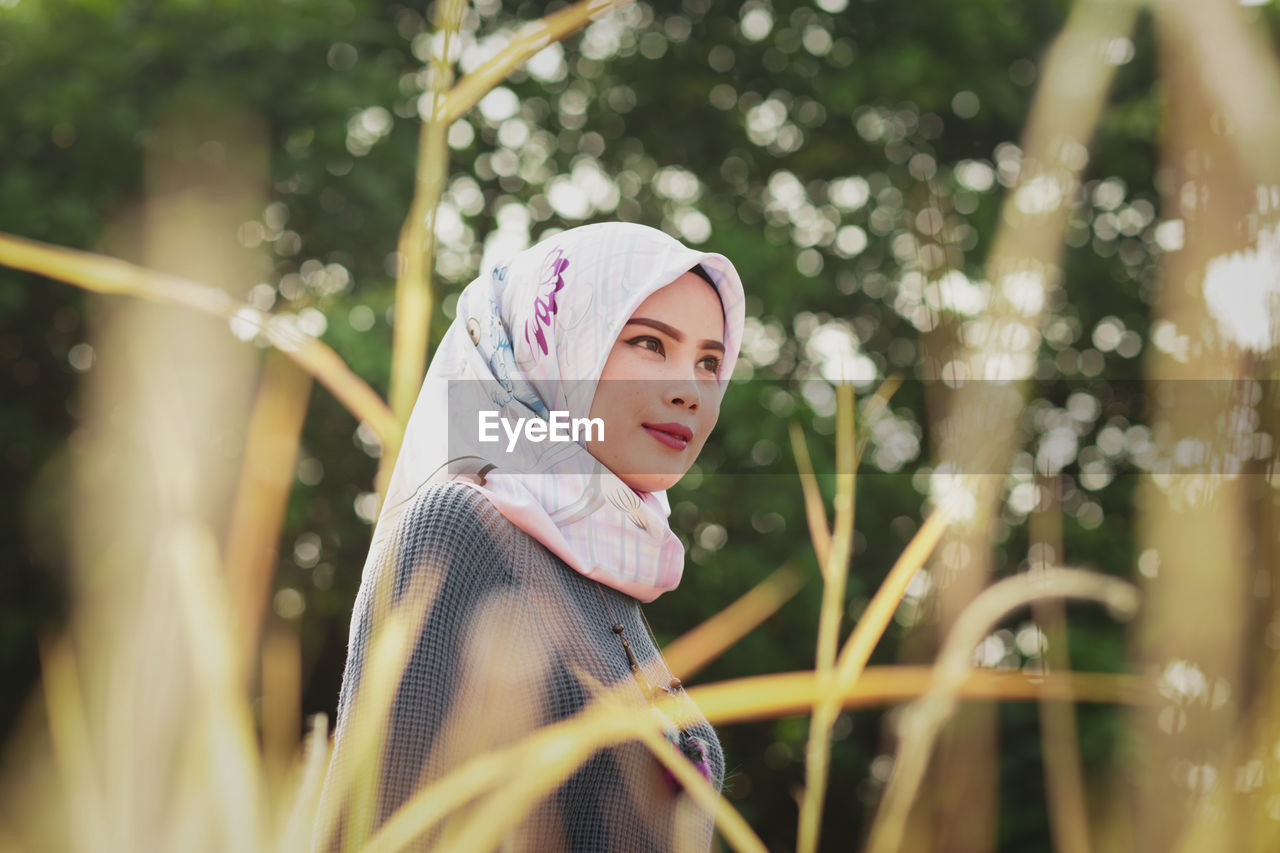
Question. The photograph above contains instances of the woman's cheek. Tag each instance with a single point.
(712, 413)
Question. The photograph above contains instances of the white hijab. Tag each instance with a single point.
(531, 336)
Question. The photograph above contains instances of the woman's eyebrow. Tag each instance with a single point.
(672, 332)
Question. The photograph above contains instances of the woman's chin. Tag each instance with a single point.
(651, 482)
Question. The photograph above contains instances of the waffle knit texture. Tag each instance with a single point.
(510, 633)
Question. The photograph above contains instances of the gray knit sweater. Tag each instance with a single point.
(509, 627)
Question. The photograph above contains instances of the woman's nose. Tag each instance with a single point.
(684, 393)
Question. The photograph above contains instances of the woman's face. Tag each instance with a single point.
(659, 383)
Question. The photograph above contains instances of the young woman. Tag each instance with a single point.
(526, 521)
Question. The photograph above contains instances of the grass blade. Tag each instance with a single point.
(784, 694)
(1059, 739)
(296, 831)
(814, 510)
(102, 274)
(262, 494)
(693, 650)
(875, 619)
(417, 242)
(531, 38)
(924, 718)
(735, 830)
(72, 745)
(835, 572)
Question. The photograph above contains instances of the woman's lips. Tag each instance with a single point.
(672, 441)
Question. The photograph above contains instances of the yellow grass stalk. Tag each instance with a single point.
(735, 830)
(262, 494)
(8, 843)
(814, 510)
(979, 431)
(223, 731)
(921, 721)
(418, 236)
(332, 372)
(877, 407)
(1237, 812)
(281, 693)
(531, 38)
(1063, 117)
(102, 274)
(693, 650)
(72, 744)
(834, 573)
(353, 781)
(1214, 535)
(1059, 740)
(410, 339)
(359, 773)
(836, 570)
(537, 772)
(1237, 65)
(784, 694)
(188, 823)
(431, 804)
(596, 725)
(555, 751)
(294, 833)
(852, 660)
(559, 749)
(558, 757)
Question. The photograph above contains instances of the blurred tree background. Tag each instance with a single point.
(842, 153)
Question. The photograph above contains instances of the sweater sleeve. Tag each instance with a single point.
(447, 569)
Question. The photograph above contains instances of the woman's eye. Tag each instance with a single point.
(642, 342)
(710, 362)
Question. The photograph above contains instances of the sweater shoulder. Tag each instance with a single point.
(455, 517)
